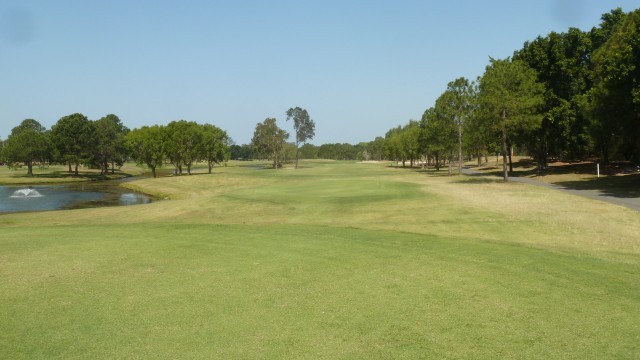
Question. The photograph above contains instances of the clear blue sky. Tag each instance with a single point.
(358, 67)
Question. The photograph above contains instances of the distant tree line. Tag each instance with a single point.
(565, 96)
(106, 144)
(337, 151)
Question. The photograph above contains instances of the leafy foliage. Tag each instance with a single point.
(269, 140)
(303, 125)
(182, 144)
(615, 97)
(214, 147)
(110, 146)
(74, 137)
(28, 143)
(511, 95)
(147, 146)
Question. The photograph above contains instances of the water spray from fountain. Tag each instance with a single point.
(26, 193)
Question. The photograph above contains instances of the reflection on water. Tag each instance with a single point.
(68, 196)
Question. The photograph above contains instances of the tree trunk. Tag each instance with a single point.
(437, 161)
(153, 171)
(479, 158)
(459, 149)
(505, 175)
(510, 161)
(297, 149)
(210, 166)
(76, 171)
(29, 168)
(69, 163)
(113, 167)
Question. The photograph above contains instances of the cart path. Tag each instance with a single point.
(628, 202)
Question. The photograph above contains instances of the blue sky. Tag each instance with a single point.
(358, 67)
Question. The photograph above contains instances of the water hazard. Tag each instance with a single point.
(67, 196)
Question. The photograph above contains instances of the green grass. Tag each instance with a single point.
(335, 260)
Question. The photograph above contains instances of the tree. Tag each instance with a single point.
(303, 125)
(109, 148)
(615, 96)
(308, 151)
(182, 144)
(146, 146)
(510, 93)
(241, 152)
(599, 35)
(393, 148)
(562, 62)
(269, 140)
(410, 141)
(438, 131)
(456, 102)
(374, 150)
(28, 143)
(74, 138)
(214, 145)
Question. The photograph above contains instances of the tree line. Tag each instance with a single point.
(331, 151)
(565, 96)
(106, 144)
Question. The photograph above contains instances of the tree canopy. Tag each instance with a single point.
(28, 143)
(512, 96)
(147, 146)
(303, 125)
(74, 137)
(269, 140)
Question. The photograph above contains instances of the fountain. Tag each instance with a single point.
(26, 193)
(66, 196)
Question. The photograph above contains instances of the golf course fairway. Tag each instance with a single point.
(334, 260)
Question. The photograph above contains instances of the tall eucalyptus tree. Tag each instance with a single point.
(303, 126)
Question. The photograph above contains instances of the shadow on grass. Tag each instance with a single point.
(82, 175)
(428, 170)
(621, 179)
(627, 186)
(478, 180)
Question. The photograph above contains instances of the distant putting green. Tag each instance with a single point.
(332, 260)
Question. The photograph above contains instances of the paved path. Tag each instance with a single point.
(629, 202)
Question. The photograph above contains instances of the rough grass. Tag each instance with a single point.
(334, 260)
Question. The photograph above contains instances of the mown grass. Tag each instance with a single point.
(334, 260)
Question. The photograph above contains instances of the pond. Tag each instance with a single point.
(67, 196)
